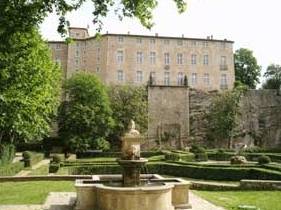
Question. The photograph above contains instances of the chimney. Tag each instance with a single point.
(156, 34)
(182, 35)
(128, 32)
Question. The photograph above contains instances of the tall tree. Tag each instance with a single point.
(29, 87)
(129, 102)
(85, 118)
(23, 15)
(273, 77)
(222, 117)
(247, 69)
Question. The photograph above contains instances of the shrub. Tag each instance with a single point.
(238, 160)
(264, 160)
(31, 158)
(188, 157)
(54, 167)
(26, 155)
(197, 149)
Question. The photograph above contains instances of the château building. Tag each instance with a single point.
(133, 59)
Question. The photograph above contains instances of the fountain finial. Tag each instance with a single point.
(132, 132)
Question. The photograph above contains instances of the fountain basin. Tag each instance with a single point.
(103, 194)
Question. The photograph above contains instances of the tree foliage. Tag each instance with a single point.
(222, 117)
(29, 87)
(247, 69)
(273, 75)
(85, 118)
(129, 102)
(23, 15)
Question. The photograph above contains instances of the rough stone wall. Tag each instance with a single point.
(168, 119)
(199, 103)
(259, 122)
(260, 118)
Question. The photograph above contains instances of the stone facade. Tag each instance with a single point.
(168, 121)
(131, 59)
(259, 122)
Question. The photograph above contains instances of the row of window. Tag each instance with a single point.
(167, 58)
(179, 42)
(180, 78)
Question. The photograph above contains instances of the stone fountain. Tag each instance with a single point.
(131, 162)
(128, 191)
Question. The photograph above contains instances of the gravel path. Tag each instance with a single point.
(38, 165)
(199, 203)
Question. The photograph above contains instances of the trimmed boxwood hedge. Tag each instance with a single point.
(11, 169)
(187, 157)
(187, 170)
(95, 154)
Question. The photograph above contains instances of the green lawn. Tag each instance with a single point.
(43, 170)
(31, 192)
(265, 200)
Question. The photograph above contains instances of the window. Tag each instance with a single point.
(153, 77)
(223, 60)
(120, 76)
(205, 44)
(206, 60)
(76, 62)
(77, 34)
(77, 53)
(98, 50)
(194, 79)
(120, 39)
(57, 46)
(166, 41)
(120, 56)
(139, 40)
(223, 64)
(193, 59)
(223, 79)
(139, 76)
(193, 43)
(77, 44)
(98, 69)
(180, 43)
(180, 79)
(166, 58)
(98, 59)
(206, 79)
(152, 57)
(152, 41)
(179, 58)
(139, 57)
(166, 78)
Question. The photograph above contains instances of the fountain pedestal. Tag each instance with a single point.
(131, 171)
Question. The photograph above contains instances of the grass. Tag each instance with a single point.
(31, 192)
(43, 170)
(265, 200)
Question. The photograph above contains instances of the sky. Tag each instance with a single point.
(252, 24)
